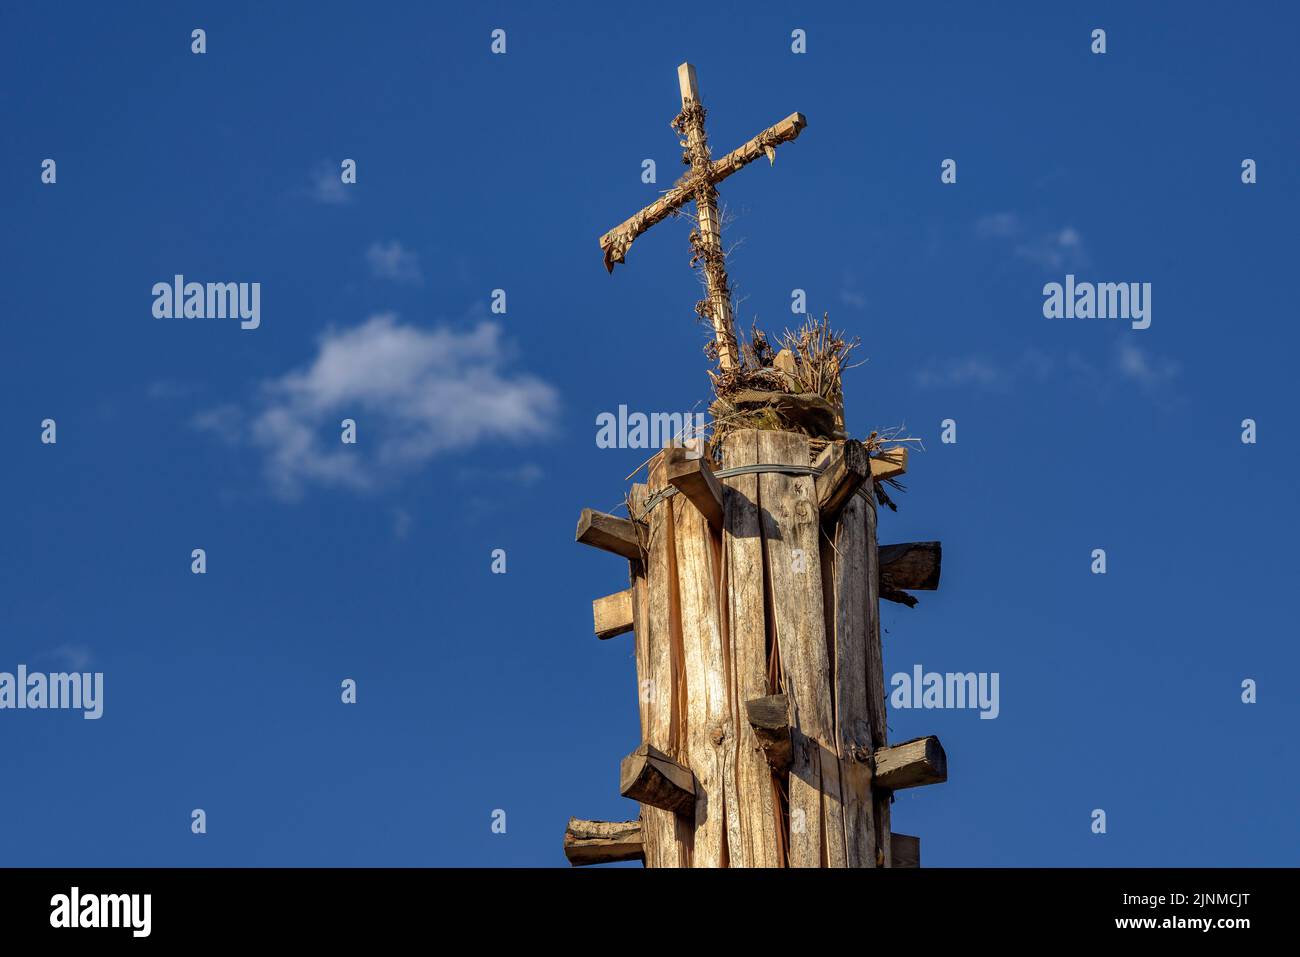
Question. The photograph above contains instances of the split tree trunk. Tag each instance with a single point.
(781, 600)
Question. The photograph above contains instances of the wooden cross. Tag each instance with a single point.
(699, 185)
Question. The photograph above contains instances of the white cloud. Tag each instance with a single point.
(164, 389)
(1052, 249)
(529, 473)
(1058, 249)
(392, 260)
(980, 373)
(976, 371)
(327, 185)
(223, 421)
(415, 393)
(78, 657)
(998, 226)
(1147, 371)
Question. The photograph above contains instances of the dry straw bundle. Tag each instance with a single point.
(794, 388)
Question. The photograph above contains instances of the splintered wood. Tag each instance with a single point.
(760, 682)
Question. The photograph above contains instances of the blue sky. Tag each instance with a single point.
(475, 172)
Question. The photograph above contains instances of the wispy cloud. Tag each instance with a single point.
(965, 371)
(851, 293)
(415, 393)
(1128, 363)
(1055, 248)
(224, 421)
(998, 226)
(391, 260)
(78, 657)
(529, 473)
(166, 389)
(1152, 373)
(328, 187)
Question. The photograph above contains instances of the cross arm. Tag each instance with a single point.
(616, 242)
(765, 142)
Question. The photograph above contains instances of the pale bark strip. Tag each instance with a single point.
(730, 783)
(707, 724)
(757, 843)
(850, 619)
(656, 680)
(651, 832)
(876, 714)
(791, 531)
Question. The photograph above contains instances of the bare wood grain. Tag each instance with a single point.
(651, 777)
(911, 764)
(708, 721)
(612, 615)
(758, 843)
(693, 478)
(608, 533)
(602, 842)
(791, 527)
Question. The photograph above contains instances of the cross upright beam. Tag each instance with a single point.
(706, 239)
(700, 186)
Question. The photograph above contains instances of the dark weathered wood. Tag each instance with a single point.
(913, 566)
(612, 615)
(609, 533)
(693, 478)
(851, 607)
(845, 466)
(877, 715)
(911, 764)
(651, 777)
(902, 597)
(602, 842)
(905, 849)
(770, 718)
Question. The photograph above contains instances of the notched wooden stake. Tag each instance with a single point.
(770, 719)
(905, 850)
(846, 467)
(913, 566)
(602, 842)
(609, 533)
(693, 478)
(651, 777)
(612, 615)
(890, 463)
(911, 764)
